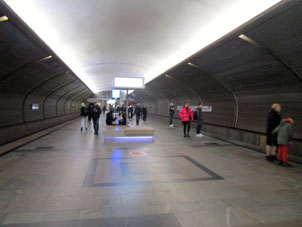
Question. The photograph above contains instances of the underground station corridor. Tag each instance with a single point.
(140, 113)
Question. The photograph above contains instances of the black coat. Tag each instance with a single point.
(144, 110)
(171, 110)
(138, 111)
(273, 120)
(83, 111)
(198, 116)
(96, 111)
(109, 118)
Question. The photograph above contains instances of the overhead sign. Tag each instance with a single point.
(129, 83)
(116, 94)
(193, 108)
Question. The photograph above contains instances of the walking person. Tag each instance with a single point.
(145, 113)
(137, 112)
(90, 111)
(198, 116)
(104, 109)
(171, 114)
(273, 120)
(95, 117)
(130, 110)
(186, 117)
(284, 134)
(83, 117)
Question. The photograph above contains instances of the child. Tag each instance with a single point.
(285, 135)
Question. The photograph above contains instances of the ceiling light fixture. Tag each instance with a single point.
(45, 58)
(3, 18)
(249, 40)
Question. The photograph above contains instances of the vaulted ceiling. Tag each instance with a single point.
(101, 39)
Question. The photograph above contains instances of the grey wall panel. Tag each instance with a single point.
(38, 94)
(16, 49)
(241, 79)
(282, 35)
(27, 77)
(11, 133)
(62, 100)
(50, 106)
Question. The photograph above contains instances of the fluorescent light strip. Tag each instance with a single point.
(42, 26)
(232, 18)
(3, 18)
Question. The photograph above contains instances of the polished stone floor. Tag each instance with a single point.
(73, 178)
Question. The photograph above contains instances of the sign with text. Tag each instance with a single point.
(193, 108)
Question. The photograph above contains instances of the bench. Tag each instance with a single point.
(139, 131)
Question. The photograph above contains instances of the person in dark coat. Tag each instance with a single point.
(84, 114)
(96, 111)
(123, 120)
(110, 118)
(137, 112)
(198, 116)
(104, 109)
(90, 111)
(171, 114)
(130, 112)
(145, 113)
(273, 121)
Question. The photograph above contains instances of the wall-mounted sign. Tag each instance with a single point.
(193, 108)
(34, 106)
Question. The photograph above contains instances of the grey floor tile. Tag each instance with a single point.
(48, 186)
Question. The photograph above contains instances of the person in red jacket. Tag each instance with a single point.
(186, 117)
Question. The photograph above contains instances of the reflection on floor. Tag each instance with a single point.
(73, 178)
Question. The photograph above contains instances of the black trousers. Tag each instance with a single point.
(187, 126)
(137, 119)
(145, 117)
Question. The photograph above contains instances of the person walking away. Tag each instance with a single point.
(186, 117)
(110, 118)
(284, 134)
(104, 109)
(273, 120)
(83, 117)
(137, 112)
(171, 114)
(96, 111)
(145, 113)
(130, 109)
(198, 116)
(90, 111)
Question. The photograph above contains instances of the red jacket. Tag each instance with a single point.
(185, 115)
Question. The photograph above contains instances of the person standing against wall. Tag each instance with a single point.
(96, 111)
(137, 112)
(198, 116)
(284, 134)
(171, 114)
(145, 113)
(83, 117)
(273, 120)
(186, 117)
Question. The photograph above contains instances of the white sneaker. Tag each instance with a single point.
(199, 135)
(171, 126)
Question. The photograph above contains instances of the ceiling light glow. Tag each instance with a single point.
(232, 18)
(42, 27)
